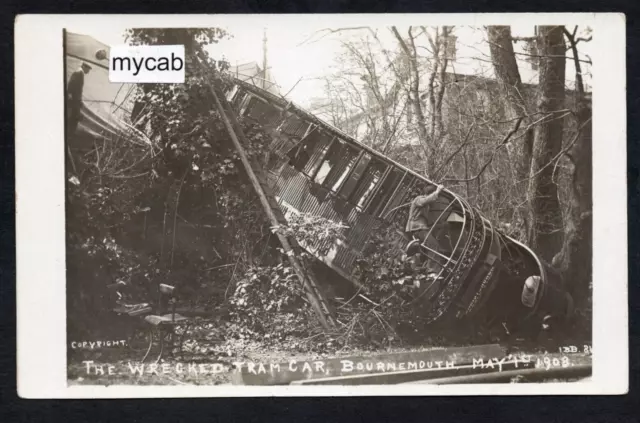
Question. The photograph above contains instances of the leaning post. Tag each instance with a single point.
(325, 318)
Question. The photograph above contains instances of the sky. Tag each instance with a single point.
(299, 54)
(293, 63)
(288, 60)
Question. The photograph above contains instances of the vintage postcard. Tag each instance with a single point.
(364, 205)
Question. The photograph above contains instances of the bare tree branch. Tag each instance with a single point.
(502, 143)
(573, 46)
(552, 56)
(455, 153)
(329, 31)
(561, 153)
(294, 85)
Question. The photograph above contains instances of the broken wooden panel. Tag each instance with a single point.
(294, 126)
(262, 112)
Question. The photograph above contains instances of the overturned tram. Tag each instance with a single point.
(474, 269)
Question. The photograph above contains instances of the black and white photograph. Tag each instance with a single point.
(383, 203)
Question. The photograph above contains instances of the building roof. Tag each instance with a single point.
(458, 78)
(252, 73)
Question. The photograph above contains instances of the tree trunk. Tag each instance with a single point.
(506, 69)
(414, 94)
(575, 258)
(545, 220)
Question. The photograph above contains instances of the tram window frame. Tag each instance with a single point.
(366, 195)
(232, 92)
(317, 144)
(352, 180)
(349, 156)
(321, 150)
(238, 99)
(295, 161)
(396, 199)
(252, 100)
(247, 107)
(333, 158)
(244, 103)
(294, 151)
(378, 201)
(332, 151)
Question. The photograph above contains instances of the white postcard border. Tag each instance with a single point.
(40, 229)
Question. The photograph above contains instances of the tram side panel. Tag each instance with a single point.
(486, 272)
(305, 186)
(297, 189)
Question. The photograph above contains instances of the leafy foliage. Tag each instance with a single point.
(168, 202)
(268, 305)
(315, 232)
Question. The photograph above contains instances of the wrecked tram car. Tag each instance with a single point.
(476, 271)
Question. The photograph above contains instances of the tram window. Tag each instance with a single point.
(238, 99)
(396, 200)
(347, 158)
(386, 190)
(299, 156)
(251, 103)
(331, 163)
(307, 155)
(319, 151)
(368, 182)
(352, 182)
(231, 93)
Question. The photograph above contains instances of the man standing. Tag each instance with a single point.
(418, 220)
(74, 96)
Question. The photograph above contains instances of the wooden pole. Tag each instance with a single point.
(286, 244)
(264, 60)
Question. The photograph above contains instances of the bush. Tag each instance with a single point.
(268, 305)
